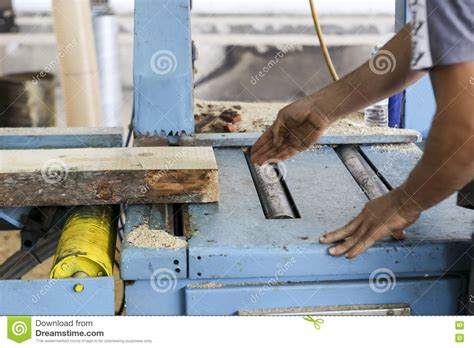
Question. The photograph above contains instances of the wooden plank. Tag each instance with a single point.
(107, 176)
(54, 138)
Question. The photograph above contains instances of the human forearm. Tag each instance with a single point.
(370, 82)
(446, 166)
(448, 161)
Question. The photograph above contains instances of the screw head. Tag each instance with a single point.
(78, 287)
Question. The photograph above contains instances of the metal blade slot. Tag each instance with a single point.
(361, 171)
(274, 195)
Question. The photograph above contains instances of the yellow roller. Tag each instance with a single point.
(87, 245)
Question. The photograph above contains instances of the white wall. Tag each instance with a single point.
(354, 7)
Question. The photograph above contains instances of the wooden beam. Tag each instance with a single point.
(142, 175)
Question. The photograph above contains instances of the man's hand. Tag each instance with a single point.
(386, 216)
(297, 127)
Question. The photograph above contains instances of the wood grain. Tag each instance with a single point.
(108, 176)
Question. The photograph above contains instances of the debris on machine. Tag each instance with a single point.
(399, 148)
(211, 118)
(244, 117)
(143, 237)
(210, 285)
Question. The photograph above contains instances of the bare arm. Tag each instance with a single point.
(446, 166)
(387, 73)
(299, 125)
(448, 161)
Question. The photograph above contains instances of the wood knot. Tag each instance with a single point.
(104, 191)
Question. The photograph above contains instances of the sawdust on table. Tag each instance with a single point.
(210, 285)
(399, 148)
(143, 237)
(258, 117)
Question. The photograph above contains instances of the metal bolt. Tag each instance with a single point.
(78, 287)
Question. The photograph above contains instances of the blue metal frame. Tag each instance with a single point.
(233, 244)
(57, 297)
(425, 296)
(163, 68)
(59, 138)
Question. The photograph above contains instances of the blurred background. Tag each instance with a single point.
(235, 40)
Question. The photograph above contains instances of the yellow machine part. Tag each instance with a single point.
(87, 245)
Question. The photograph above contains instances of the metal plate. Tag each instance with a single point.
(232, 239)
(443, 222)
(248, 139)
(57, 138)
(57, 297)
(361, 310)
(425, 296)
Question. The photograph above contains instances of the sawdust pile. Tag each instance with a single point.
(143, 237)
(258, 117)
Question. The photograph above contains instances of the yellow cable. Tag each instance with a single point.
(87, 245)
(324, 48)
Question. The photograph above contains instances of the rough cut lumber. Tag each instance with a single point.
(142, 175)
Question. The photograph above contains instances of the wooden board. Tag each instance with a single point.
(107, 176)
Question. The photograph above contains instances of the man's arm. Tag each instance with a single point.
(299, 125)
(446, 166)
(448, 160)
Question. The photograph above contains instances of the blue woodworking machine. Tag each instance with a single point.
(240, 260)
